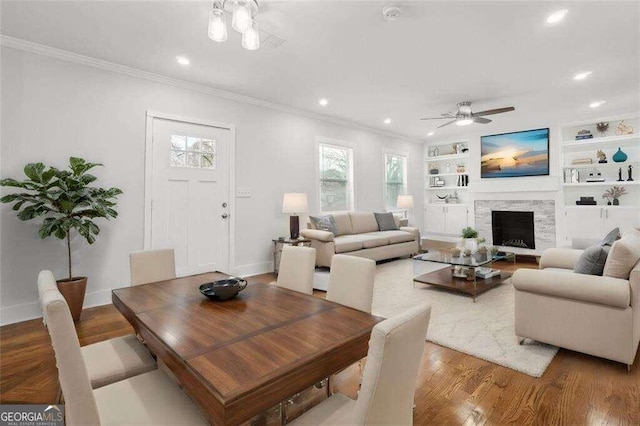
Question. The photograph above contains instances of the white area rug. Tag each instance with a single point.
(483, 329)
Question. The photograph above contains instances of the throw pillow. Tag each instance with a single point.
(623, 256)
(386, 222)
(324, 223)
(592, 260)
(610, 238)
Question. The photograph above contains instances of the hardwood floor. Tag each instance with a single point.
(453, 388)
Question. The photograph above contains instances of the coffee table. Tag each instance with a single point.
(447, 277)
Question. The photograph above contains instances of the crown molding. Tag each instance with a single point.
(52, 52)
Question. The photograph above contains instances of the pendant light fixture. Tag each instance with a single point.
(243, 14)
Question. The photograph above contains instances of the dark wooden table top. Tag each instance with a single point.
(241, 357)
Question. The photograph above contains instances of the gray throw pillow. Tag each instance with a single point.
(324, 223)
(386, 222)
(610, 238)
(592, 260)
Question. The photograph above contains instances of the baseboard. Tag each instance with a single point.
(253, 269)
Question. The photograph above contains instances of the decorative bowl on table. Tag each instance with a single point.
(223, 289)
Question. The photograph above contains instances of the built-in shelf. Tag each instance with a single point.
(624, 140)
(607, 183)
(447, 157)
(600, 206)
(609, 164)
(445, 187)
(447, 174)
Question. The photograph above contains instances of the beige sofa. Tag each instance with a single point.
(358, 235)
(596, 315)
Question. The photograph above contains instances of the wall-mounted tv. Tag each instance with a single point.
(515, 154)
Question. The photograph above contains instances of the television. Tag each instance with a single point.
(515, 154)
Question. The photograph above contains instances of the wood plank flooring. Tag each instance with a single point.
(453, 388)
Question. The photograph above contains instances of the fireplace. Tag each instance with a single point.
(513, 229)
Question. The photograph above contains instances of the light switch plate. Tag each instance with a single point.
(243, 192)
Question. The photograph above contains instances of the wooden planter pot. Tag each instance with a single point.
(73, 291)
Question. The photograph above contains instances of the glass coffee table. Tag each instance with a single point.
(472, 275)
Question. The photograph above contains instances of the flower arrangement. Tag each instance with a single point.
(614, 193)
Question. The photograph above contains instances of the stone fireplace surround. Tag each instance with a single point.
(544, 219)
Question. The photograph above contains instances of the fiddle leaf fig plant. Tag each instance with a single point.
(64, 199)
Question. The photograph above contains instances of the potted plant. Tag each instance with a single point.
(470, 238)
(614, 193)
(67, 202)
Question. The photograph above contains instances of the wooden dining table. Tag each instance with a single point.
(243, 356)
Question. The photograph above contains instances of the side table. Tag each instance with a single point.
(277, 249)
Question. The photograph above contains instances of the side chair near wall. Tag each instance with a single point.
(149, 266)
(389, 381)
(108, 361)
(146, 399)
(297, 265)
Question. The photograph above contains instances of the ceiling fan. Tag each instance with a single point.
(464, 116)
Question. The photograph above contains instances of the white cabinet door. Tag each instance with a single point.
(584, 223)
(434, 219)
(455, 219)
(623, 218)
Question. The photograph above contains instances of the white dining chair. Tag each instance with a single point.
(351, 282)
(149, 266)
(388, 386)
(146, 399)
(108, 361)
(296, 269)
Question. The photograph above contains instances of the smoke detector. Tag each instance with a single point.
(391, 13)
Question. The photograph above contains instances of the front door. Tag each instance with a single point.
(190, 194)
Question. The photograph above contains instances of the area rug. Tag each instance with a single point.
(483, 329)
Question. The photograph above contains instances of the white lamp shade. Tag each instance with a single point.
(405, 201)
(295, 202)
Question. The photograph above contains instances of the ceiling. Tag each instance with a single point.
(435, 55)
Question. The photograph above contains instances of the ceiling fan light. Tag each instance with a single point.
(217, 24)
(464, 121)
(241, 20)
(251, 37)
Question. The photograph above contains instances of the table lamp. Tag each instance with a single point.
(294, 203)
(405, 202)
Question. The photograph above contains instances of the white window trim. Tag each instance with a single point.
(321, 140)
(405, 155)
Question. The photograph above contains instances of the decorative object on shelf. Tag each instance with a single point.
(67, 202)
(457, 148)
(455, 252)
(575, 176)
(586, 201)
(443, 198)
(630, 173)
(463, 180)
(620, 175)
(614, 193)
(602, 127)
(619, 156)
(243, 20)
(584, 134)
(434, 170)
(436, 182)
(581, 161)
(602, 157)
(465, 150)
(436, 151)
(567, 175)
(595, 176)
(448, 167)
(453, 199)
(460, 168)
(294, 203)
(623, 129)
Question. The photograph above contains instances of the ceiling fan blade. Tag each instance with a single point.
(481, 120)
(446, 124)
(435, 118)
(493, 111)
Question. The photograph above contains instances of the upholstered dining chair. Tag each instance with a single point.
(108, 361)
(351, 281)
(388, 386)
(149, 266)
(296, 269)
(146, 399)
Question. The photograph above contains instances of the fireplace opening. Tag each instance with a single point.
(513, 229)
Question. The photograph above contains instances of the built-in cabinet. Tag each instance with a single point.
(594, 222)
(446, 219)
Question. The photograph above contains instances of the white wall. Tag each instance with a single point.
(53, 109)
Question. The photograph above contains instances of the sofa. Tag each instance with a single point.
(358, 234)
(595, 314)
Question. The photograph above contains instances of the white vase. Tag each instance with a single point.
(471, 244)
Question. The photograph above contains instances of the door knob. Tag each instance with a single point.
(224, 215)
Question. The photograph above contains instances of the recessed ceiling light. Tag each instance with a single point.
(387, 121)
(323, 102)
(464, 121)
(597, 104)
(430, 133)
(582, 75)
(557, 16)
(182, 60)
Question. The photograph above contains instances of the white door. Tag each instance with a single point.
(434, 219)
(625, 218)
(190, 194)
(584, 222)
(456, 219)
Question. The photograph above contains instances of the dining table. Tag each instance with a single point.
(241, 357)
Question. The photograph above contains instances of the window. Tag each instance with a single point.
(395, 179)
(187, 151)
(336, 178)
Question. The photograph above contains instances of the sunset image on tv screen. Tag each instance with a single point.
(515, 154)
